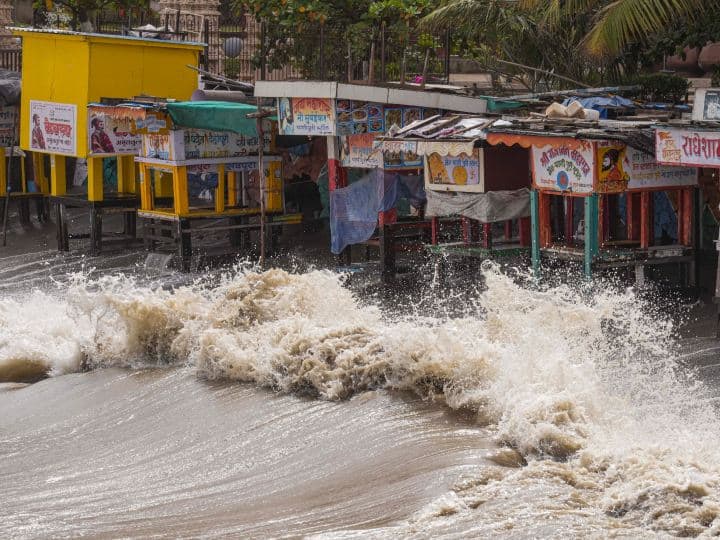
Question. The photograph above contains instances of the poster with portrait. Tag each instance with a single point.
(53, 127)
(612, 170)
(306, 116)
(454, 173)
(113, 130)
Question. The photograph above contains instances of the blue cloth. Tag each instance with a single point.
(354, 209)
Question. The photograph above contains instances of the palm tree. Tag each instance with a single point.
(615, 23)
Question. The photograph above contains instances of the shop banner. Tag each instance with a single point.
(204, 144)
(454, 173)
(53, 127)
(113, 131)
(356, 151)
(564, 166)
(9, 126)
(687, 147)
(306, 116)
(645, 172)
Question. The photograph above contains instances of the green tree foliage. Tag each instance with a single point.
(293, 28)
(593, 41)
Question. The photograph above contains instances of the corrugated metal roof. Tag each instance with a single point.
(152, 41)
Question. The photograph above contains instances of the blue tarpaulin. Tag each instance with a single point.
(601, 103)
(354, 209)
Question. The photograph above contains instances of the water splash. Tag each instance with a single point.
(583, 386)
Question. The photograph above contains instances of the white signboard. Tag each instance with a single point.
(687, 147)
(357, 152)
(53, 127)
(565, 166)
(645, 172)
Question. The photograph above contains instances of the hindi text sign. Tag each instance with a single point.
(53, 127)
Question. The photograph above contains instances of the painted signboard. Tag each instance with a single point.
(687, 147)
(113, 130)
(402, 155)
(53, 127)
(646, 173)
(306, 116)
(203, 144)
(564, 166)
(356, 151)
(9, 125)
(455, 173)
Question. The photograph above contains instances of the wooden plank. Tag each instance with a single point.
(58, 181)
(220, 190)
(646, 223)
(686, 216)
(180, 190)
(535, 230)
(95, 179)
(569, 220)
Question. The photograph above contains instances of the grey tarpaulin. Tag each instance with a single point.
(486, 207)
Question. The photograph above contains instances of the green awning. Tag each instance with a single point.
(214, 116)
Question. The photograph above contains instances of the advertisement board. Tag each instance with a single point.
(53, 127)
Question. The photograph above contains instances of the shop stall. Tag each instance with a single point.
(352, 117)
(696, 144)
(600, 198)
(478, 197)
(67, 77)
(211, 156)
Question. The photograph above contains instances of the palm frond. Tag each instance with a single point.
(624, 21)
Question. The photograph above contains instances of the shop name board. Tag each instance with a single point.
(564, 167)
(688, 147)
(306, 116)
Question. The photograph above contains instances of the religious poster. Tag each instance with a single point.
(113, 130)
(9, 125)
(357, 151)
(454, 173)
(687, 147)
(612, 175)
(53, 127)
(564, 166)
(306, 116)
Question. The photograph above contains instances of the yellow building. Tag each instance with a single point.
(65, 71)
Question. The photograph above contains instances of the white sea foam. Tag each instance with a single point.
(583, 386)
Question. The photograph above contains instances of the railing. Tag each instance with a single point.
(11, 59)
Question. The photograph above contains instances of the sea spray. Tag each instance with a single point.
(584, 387)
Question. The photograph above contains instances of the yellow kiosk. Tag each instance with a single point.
(212, 155)
(64, 72)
